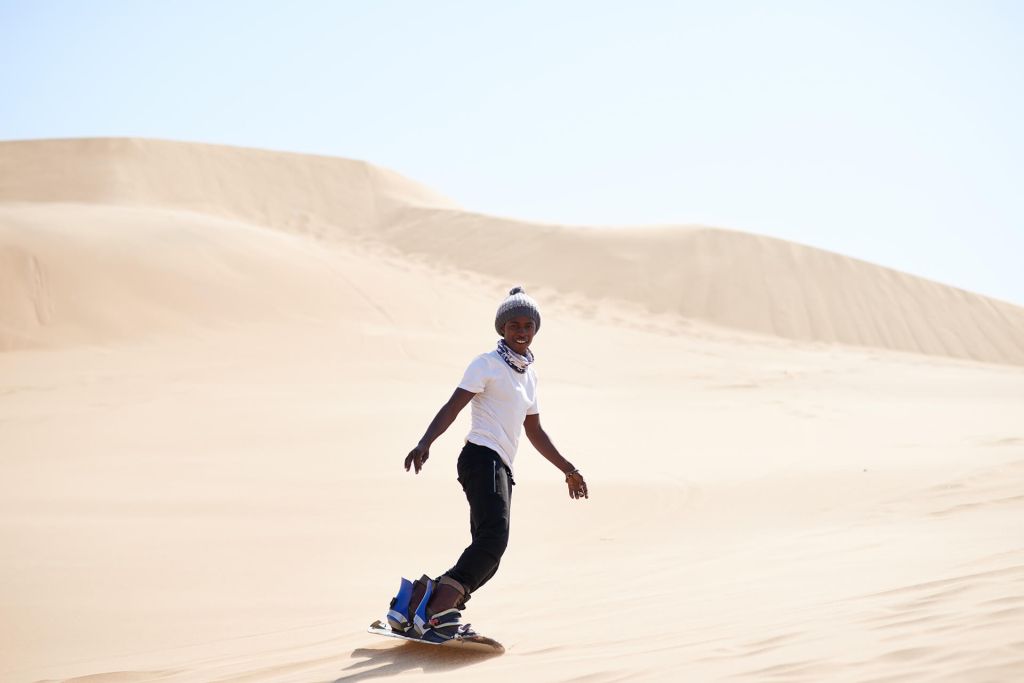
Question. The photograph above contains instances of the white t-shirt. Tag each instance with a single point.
(503, 399)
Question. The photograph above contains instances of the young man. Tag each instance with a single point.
(502, 387)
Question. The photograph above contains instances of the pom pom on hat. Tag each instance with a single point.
(516, 304)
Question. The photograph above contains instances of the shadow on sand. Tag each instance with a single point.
(390, 661)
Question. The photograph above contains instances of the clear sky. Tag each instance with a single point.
(890, 131)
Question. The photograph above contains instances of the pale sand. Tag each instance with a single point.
(215, 360)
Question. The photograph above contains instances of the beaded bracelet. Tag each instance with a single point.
(569, 474)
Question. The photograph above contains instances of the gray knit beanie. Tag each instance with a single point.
(517, 303)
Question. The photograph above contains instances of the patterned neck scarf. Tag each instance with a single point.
(513, 359)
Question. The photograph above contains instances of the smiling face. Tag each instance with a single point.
(518, 333)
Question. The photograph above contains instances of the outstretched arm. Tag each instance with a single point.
(441, 422)
(542, 442)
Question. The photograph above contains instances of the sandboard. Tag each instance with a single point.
(475, 643)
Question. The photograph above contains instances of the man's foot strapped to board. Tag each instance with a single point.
(438, 618)
(429, 609)
(425, 603)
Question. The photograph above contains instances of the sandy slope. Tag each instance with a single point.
(202, 422)
(728, 278)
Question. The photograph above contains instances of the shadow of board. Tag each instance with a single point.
(390, 661)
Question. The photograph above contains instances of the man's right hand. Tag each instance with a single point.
(416, 458)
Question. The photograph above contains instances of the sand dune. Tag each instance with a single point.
(214, 361)
(295, 191)
(737, 280)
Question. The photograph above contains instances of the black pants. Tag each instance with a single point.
(488, 484)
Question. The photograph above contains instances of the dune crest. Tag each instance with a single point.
(732, 279)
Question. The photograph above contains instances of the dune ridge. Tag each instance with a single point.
(733, 279)
(297, 192)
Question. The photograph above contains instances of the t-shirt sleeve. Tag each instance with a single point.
(476, 376)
